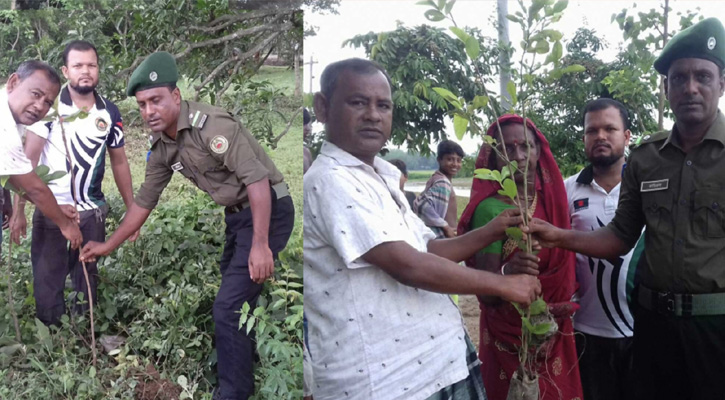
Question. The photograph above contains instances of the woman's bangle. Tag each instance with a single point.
(502, 267)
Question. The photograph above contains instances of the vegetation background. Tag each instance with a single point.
(154, 315)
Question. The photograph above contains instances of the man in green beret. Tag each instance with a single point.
(674, 184)
(213, 150)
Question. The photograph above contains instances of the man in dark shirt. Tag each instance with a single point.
(673, 185)
(212, 149)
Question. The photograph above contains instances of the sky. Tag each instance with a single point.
(363, 16)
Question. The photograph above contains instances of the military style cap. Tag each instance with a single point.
(158, 69)
(705, 40)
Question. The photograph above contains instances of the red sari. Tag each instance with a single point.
(500, 325)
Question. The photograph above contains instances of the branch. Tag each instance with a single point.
(284, 132)
(235, 35)
(243, 57)
(229, 19)
(135, 64)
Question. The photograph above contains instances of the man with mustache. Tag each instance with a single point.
(88, 140)
(604, 323)
(26, 99)
(674, 184)
(381, 325)
(211, 148)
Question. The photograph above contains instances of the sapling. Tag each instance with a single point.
(537, 323)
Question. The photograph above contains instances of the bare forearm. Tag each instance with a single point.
(135, 218)
(122, 175)
(431, 272)
(37, 192)
(463, 247)
(260, 200)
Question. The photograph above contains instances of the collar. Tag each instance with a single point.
(346, 159)
(586, 176)
(715, 132)
(65, 98)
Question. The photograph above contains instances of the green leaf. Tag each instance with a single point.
(449, 6)
(41, 170)
(473, 48)
(518, 308)
(541, 47)
(509, 189)
(526, 324)
(92, 372)
(460, 33)
(459, 126)
(511, 90)
(556, 53)
(540, 329)
(55, 175)
(560, 5)
(496, 175)
(538, 306)
(3, 180)
(479, 102)
(434, 15)
(441, 4)
(574, 68)
(182, 381)
(514, 233)
(427, 3)
(446, 94)
(250, 323)
(513, 18)
(490, 140)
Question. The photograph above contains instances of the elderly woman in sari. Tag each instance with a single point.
(500, 323)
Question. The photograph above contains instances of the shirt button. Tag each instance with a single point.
(689, 163)
(715, 205)
(678, 242)
(683, 202)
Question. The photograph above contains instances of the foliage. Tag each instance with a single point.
(538, 40)
(158, 294)
(413, 58)
(217, 48)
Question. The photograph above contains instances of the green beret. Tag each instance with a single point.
(158, 69)
(705, 40)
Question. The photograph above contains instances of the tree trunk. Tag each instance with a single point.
(503, 61)
(661, 106)
(298, 74)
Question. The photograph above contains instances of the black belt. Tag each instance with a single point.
(682, 304)
(280, 190)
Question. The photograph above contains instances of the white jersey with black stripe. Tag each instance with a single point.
(603, 284)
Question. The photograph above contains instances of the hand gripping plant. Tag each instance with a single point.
(537, 323)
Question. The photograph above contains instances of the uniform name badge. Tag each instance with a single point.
(653, 186)
(177, 166)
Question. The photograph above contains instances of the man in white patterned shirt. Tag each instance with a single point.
(26, 99)
(381, 325)
(88, 140)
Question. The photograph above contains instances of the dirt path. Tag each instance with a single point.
(469, 308)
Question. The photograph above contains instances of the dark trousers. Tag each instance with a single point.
(679, 358)
(53, 260)
(235, 349)
(606, 367)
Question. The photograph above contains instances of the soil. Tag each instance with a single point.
(152, 387)
(469, 308)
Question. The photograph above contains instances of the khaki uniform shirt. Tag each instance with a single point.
(211, 149)
(680, 197)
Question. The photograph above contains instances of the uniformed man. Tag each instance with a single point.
(675, 185)
(26, 99)
(212, 149)
(90, 138)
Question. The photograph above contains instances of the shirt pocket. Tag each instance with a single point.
(658, 209)
(707, 215)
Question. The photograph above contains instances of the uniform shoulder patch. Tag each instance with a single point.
(650, 138)
(219, 144)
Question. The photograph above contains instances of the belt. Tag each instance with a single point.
(681, 304)
(280, 190)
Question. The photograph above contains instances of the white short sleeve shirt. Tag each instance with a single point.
(12, 157)
(370, 337)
